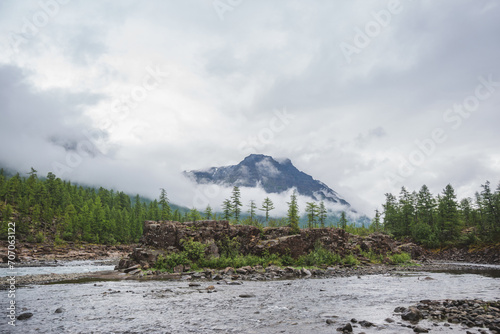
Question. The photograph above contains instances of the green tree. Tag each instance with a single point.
(491, 214)
(293, 214)
(391, 215)
(312, 213)
(448, 215)
(236, 203)
(165, 207)
(343, 221)
(322, 214)
(406, 211)
(251, 211)
(194, 215)
(376, 225)
(208, 212)
(267, 206)
(425, 206)
(227, 209)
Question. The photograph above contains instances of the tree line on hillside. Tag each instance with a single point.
(52, 208)
(440, 220)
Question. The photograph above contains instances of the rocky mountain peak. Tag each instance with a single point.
(274, 176)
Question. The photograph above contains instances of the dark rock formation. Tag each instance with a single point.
(162, 237)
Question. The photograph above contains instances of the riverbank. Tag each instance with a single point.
(367, 302)
(42, 253)
(253, 273)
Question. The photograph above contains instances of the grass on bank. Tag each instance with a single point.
(193, 256)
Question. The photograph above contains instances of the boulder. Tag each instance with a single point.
(412, 314)
(24, 316)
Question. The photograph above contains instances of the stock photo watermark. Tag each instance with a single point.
(33, 24)
(372, 29)
(453, 117)
(221, 7)
(122, 107)
(11, 274)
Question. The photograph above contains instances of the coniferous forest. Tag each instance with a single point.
(50, 208)
(442, 220)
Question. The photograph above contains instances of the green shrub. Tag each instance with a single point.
(195, 250)
(373, 257)
(228, 247)
(59, 242)
(68, 236)
(170, 261)
(402, 258)
(40, 237)
(319, 256)
(350, 260)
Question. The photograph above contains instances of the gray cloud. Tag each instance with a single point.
(352, 122)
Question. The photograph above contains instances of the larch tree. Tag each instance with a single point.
(236, 203)
(312, 213)
(322, 214)
(252, 207)
(227, 209)
(267, 206)
(293, 213)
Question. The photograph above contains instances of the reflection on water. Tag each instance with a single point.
(297, 306)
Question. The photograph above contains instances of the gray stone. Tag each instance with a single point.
(419, 329)
(412, 314)
(25, 316)
(133, 268)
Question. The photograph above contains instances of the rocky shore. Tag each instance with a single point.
(256, 273)
(468, 313)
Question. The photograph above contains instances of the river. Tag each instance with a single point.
(285, 306)
(61, 267)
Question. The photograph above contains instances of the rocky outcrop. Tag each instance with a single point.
(162, 237)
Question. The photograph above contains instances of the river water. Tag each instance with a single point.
(295, 306)
(61, 267)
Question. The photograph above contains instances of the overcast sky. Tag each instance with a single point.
(366, 96)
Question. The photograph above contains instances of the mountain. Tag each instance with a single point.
(273, 176)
